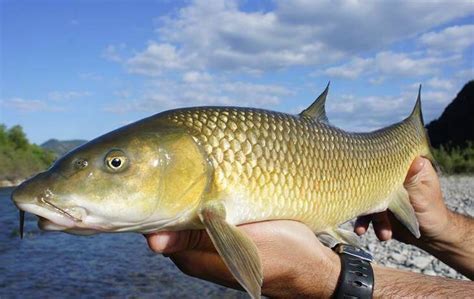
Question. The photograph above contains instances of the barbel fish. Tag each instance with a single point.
(214, 168)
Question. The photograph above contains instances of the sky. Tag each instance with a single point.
(78, 69)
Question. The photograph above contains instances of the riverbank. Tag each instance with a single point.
(10, 183)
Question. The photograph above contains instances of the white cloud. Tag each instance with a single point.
(156, 58)
(359, 113)
(194, 77)
(200, 46)
(198, 89)
(367, 25)
(391, 64)
(67, 95)
(218, 35)
(438, 83)
(112, 52)
(27, 105)
(465, 74)
(90, 76)
(402, 64)
(451, 39)
(54, 101)
(351, 70)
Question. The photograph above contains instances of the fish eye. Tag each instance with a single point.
(116, 160)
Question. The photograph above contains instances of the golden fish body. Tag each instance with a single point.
(217, 167)
(268, 165)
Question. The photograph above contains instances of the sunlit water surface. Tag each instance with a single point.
(58, 265)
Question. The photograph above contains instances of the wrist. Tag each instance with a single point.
(448, 239)
(319, 277)
(332, 279)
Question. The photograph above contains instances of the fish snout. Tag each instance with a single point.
(32, 190)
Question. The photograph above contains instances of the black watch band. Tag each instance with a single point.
(357, 277)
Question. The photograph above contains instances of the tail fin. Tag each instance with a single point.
(416, 119)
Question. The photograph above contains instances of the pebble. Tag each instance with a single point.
(398, 257)
(421, 262)
(429, 272)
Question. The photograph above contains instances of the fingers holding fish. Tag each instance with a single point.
(168, 242)
(287, 249)
(380, 222)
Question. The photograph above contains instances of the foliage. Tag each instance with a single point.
(18, 157)
(455, 159)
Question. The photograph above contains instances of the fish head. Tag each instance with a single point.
(127, 180)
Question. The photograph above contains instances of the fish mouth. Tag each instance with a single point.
(52, 217)
(59, 210)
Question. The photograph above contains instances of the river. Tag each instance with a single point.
(58, 265)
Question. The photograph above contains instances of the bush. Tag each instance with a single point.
(455, 159)
(18, 157)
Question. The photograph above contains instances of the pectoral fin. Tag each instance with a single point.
(402, 210)
(236, 249)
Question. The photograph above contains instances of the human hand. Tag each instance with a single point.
(294, 262)
(424, 190)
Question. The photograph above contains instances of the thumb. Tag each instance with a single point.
(422, 185)
(413, 177)
(168, 242)
(421, 172)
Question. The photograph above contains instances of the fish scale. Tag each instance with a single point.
(304, 169)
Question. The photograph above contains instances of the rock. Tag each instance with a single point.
(421, 262)
(470, 210)
(399, 258)
(430, 272)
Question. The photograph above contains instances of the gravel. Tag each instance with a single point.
(458, 192)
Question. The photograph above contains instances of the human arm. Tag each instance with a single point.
(295, 264)
(444, 234)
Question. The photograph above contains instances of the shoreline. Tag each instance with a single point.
(4, 183)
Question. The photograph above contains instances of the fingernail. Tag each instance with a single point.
(421, 163)
(162, 241)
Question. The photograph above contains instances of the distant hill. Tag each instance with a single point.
(456, 125)
(60, 147)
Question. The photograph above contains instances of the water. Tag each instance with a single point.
(58, 265)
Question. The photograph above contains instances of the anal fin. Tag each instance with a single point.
(402, 210)
(237, 250)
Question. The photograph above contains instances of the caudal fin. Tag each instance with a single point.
(416, 119)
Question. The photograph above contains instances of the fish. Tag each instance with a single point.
(214, 168)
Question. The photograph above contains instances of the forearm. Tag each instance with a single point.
(397, 283)
(456, 246)
(388, 283)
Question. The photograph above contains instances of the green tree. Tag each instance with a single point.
(19, 158)
(18, 137)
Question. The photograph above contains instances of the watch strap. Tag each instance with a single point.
(357, 276)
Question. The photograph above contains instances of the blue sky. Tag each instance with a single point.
(78, 69)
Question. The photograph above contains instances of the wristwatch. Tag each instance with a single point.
(357, 277)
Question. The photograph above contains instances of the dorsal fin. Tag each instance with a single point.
(416, 113)
(317, 110)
